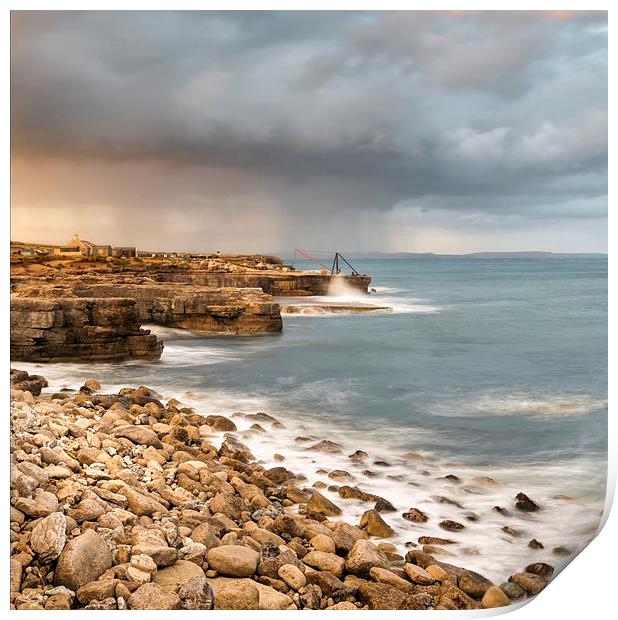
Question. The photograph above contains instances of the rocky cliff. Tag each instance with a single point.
(66, 329)
(199, 309)
(276, 283)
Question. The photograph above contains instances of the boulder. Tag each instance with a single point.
(84, 558)
(344, 536)
(454, 598)
(541, 569)
(325, 562)
(512, 590)
(92, 384)
(226, 503)
(415, 515)
(451, 526)
(374, 524)
(383, 505)
(382, 575)
(206, 534)
(48, 537)
(384, 596)
(88, 509)
(326, 446)
(270, 599)
(180, 573)
(494, 597)
(473, 584)
(363, 556)
(233, 560)
(322, 542)
(435, 571)
(15, 573)
(235, 593)
(196, 594)
(220, 423)
(327, 581)
(194, 552)
(348, 492)
(343, 605)
(152, 542)
(531, 583)
(41, 504)
(140, 504)
(322, 505)
(420, 575)
(524, 503)
(151, 596)
(292, 576)
(97, 590)
(138, 434)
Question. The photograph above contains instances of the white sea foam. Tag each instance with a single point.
(420, 483)
(177, 355)
(386, 290)
(171, 333)
(398, 305)
(550, 405)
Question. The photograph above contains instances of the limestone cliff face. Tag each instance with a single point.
(289, 283)
(199, 309)
(65, 329)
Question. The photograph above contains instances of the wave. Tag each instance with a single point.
(397, 305)
(177, 355)
(554, 405)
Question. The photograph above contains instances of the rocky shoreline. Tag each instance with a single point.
(123, 501)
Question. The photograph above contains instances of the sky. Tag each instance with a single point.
(418, 131)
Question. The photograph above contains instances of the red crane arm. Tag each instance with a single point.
(311, 258)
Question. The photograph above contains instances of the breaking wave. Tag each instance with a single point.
(556, 405)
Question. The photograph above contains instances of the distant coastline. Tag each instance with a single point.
(481, 255)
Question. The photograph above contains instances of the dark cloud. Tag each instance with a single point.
(503, 113)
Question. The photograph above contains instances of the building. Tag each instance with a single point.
(77, 246)
(101, 251)
(124, 252)
(68, 250)
(85, 247)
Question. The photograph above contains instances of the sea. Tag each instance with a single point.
(487, 378)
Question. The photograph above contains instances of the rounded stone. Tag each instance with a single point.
(233, 560)
(83, 559)
(322, 542)
(494, 597)
(293, 576)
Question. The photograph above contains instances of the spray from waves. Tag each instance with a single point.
(171, 333)
(339, 287)
(177, 355)
(341, 292)
(552, 405)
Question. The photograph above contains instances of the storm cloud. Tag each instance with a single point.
(258, 131)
